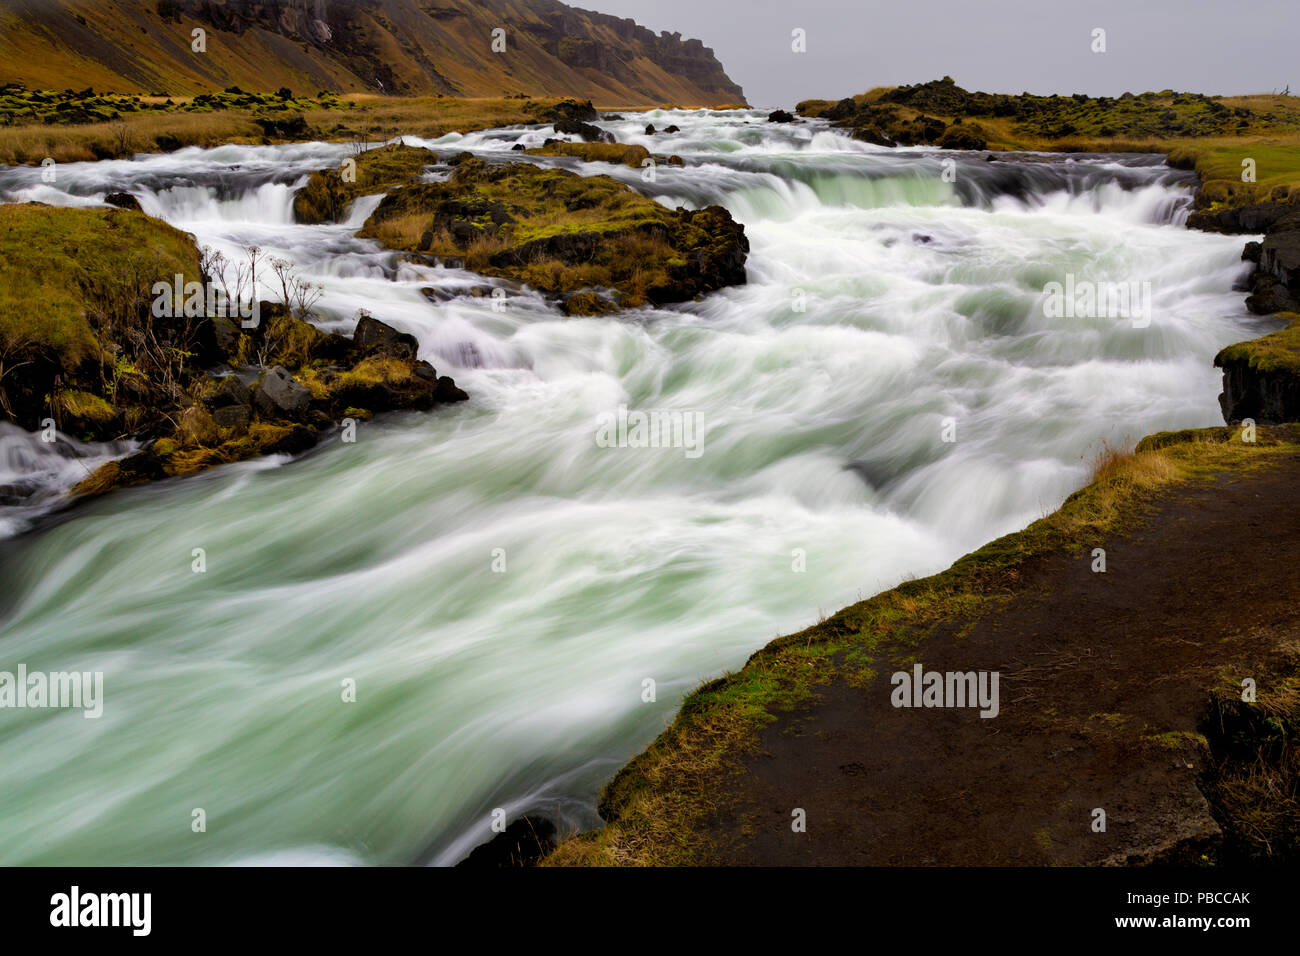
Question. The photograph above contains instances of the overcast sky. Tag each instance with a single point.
(1000, 46)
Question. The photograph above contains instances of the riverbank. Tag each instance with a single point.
(70, 127)
(1121, 690)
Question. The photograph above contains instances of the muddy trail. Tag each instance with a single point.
(1104, 687)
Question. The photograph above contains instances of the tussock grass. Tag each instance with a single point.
(1253, 782)
(371, 119)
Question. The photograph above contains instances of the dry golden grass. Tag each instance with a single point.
(374, 119)
(401, 231)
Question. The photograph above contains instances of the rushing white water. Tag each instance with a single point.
(496, 583)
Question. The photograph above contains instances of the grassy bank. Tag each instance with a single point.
(1211, 134)
(662, 808)
(154, 125)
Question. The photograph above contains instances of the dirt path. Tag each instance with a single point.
(1098, 673)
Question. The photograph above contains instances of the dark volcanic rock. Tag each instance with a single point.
(279, 395)
(1279, 253)
(580, 111)
(231, 391)
(1268, 397)
(1268, 295)
(523, 843)
(122, 201)
(232, 416)
(780, 116)
(1255, 218)
(373, 337)
(589, 133)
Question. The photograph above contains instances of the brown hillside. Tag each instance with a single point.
(389, 46)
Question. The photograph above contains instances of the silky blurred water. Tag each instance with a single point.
(497, 585)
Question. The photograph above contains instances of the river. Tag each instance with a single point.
(497, 584)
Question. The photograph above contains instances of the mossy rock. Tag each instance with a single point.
(329, 192)
(561, 233)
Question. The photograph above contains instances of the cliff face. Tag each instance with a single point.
(408, 47)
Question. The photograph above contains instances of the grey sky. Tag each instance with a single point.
(1043, 46)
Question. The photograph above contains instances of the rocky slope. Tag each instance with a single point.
(403, 47)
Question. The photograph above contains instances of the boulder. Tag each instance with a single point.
(373, 337)
(589, 133)
(1279, 255)
(580, 110)
(225, 334)
(231, 391)
(963, 136)
(1268, 295)
(780, 116)
(123, 201)
(280, 395)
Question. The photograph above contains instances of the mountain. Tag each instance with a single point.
(412, 47)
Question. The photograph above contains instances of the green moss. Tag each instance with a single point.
(1278, 352)
(561, 233)
(54, 260)
(634, 156)
(328, 192)
(86, 407)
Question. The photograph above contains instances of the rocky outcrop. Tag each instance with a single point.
(244, 410)
(1261, 378)
(106, 356)
(563, 233)
(888, 124)
(329, 192)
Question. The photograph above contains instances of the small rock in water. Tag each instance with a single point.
(122, 201)
(375, 337)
